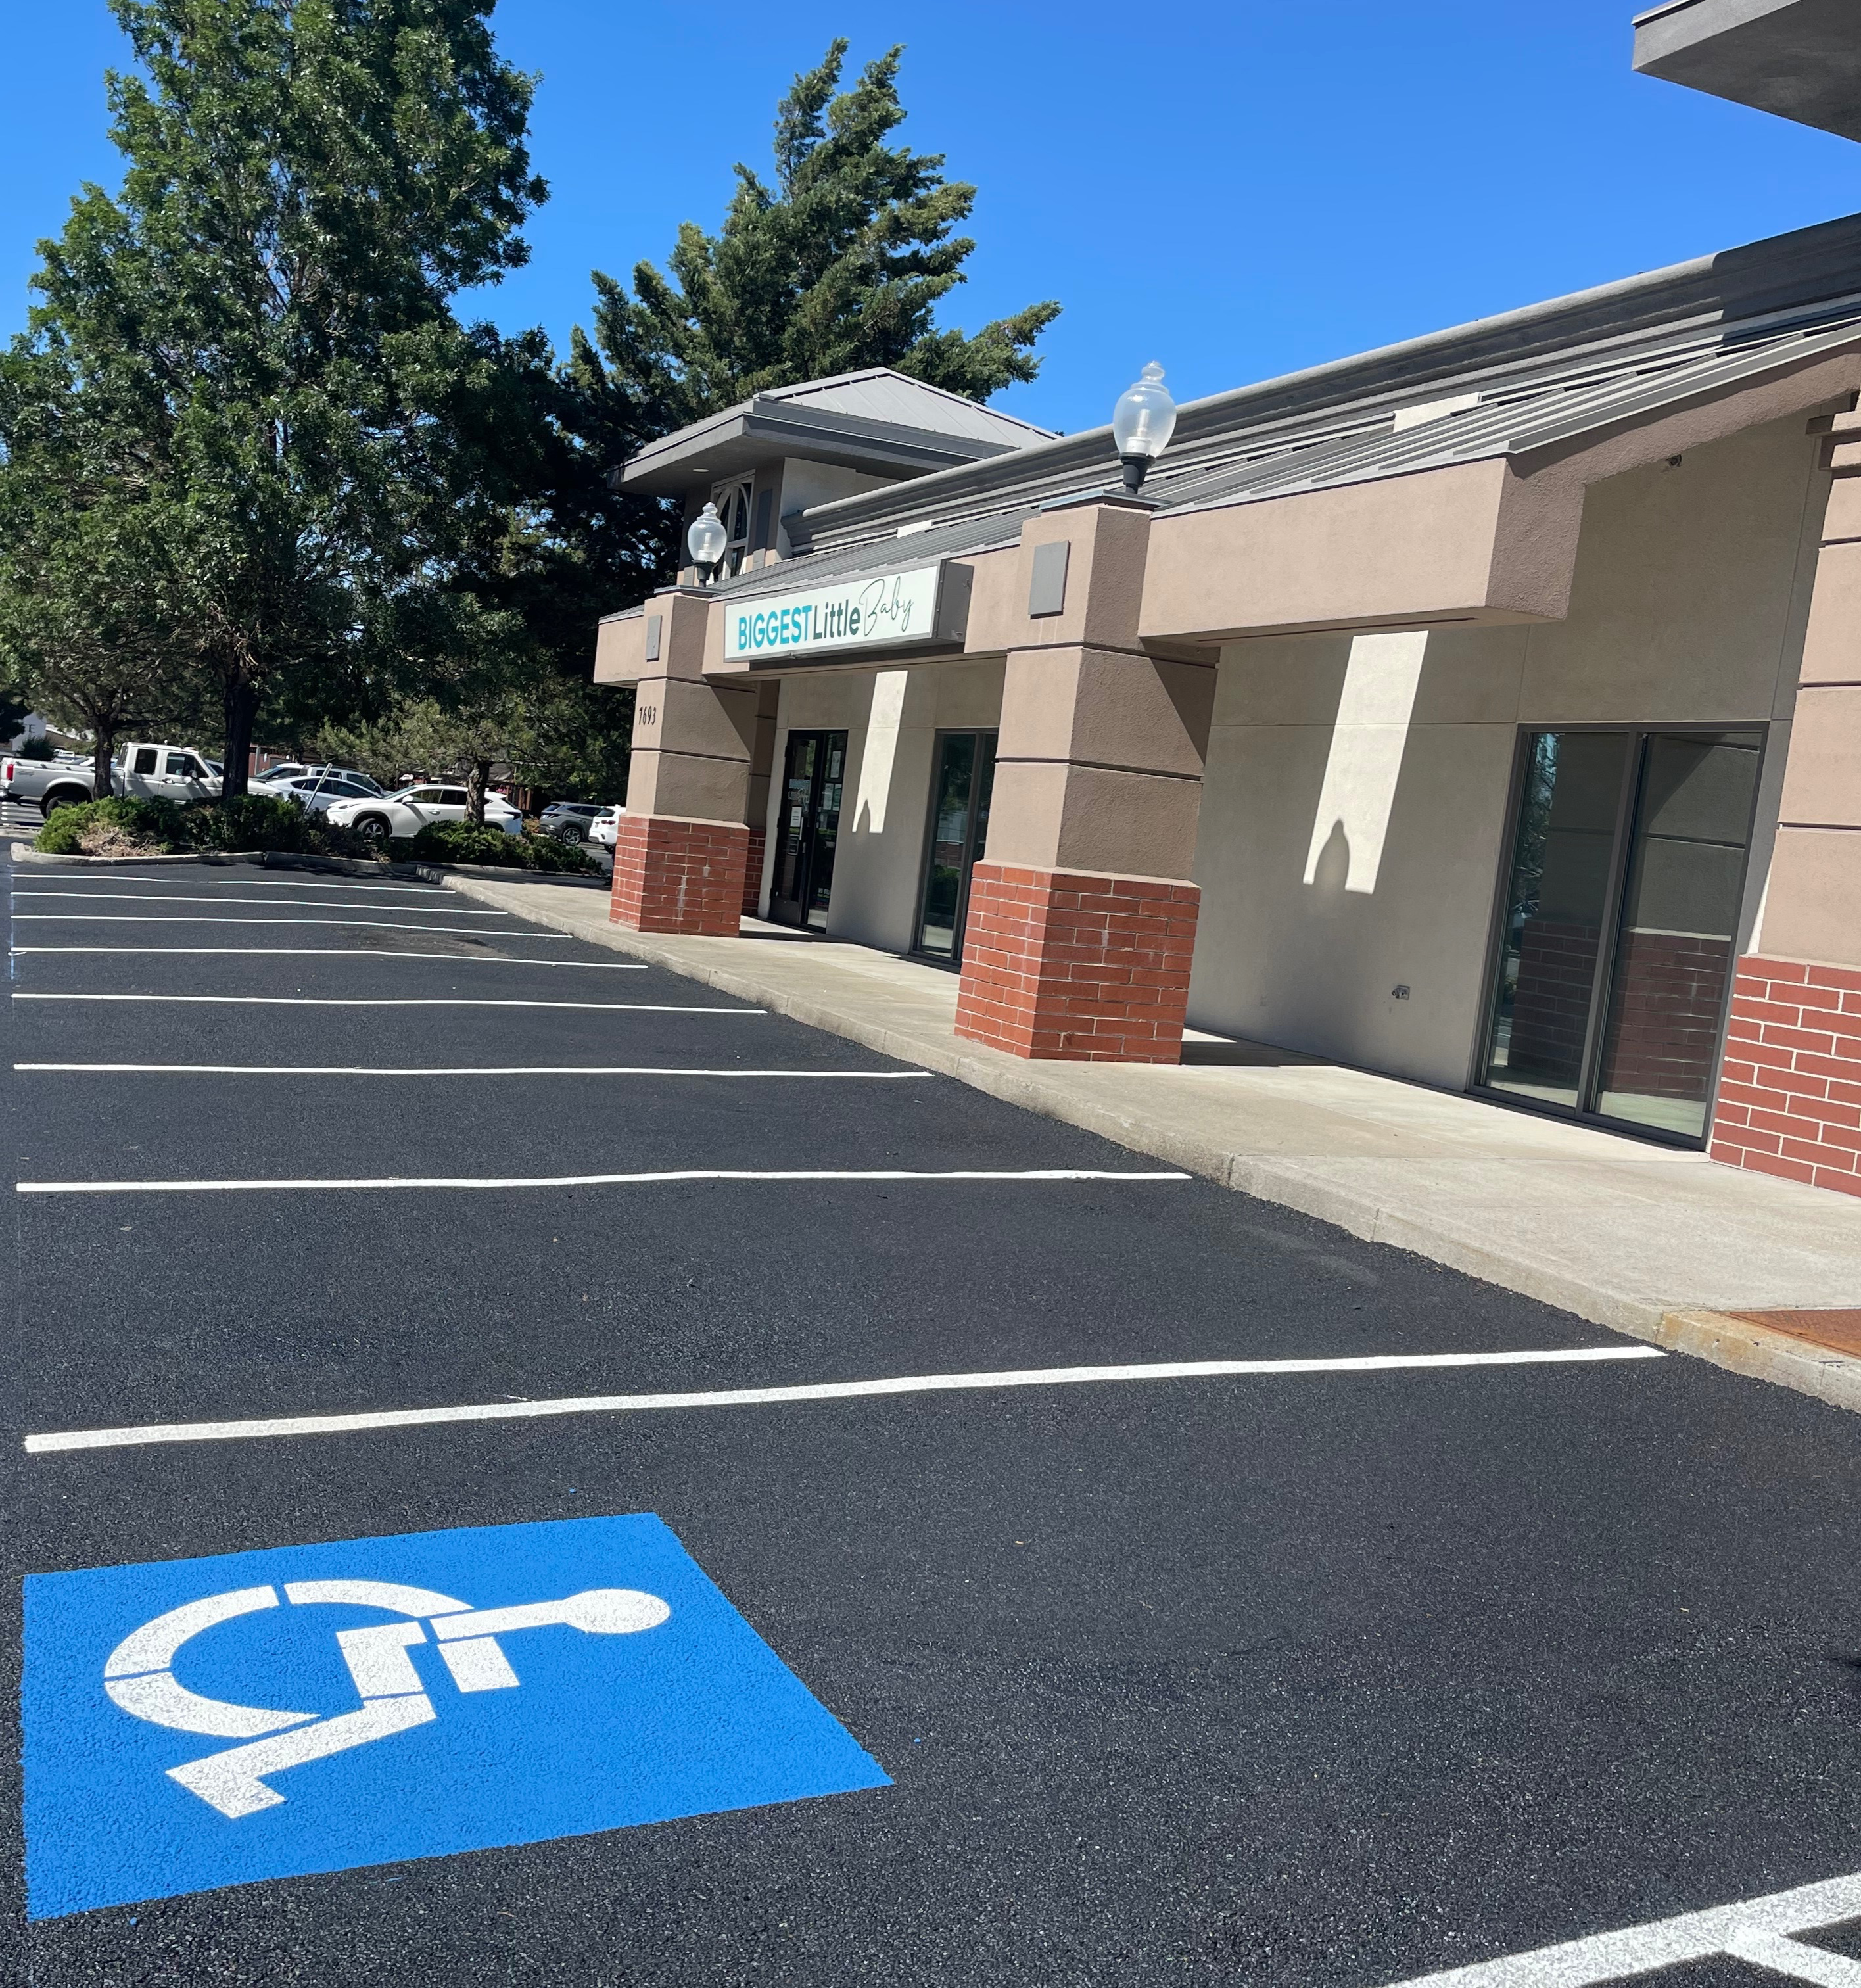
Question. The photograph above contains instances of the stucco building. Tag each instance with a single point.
(1485, 710)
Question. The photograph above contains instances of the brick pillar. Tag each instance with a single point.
(1081, 928)
(1790, 1089)
(672, 875)
(752, 870)
(682, 855)
(1060, 964)
(1789, 1099)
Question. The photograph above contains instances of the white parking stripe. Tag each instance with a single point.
(316, 1000)
(445, 904)
(348, 952)
(433, 1069)
(241, 882)
(1756, 1929)
(1042, 1173)
(195, 918)
(824, 1391)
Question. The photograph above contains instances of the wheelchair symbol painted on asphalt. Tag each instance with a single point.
(194, 1723)
(139, 1676)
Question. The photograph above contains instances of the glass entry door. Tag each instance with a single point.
(1620, 926)
(812, 782)
(963, 779)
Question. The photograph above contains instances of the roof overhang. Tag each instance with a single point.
(1797, 59)
(741, 439)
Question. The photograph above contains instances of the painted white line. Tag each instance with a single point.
(242, 882)
(192, 919)
(1758, 1930)
(823, 1390)
(1043, 1174)
(444, 907)
(439, 1001)
(459, 1070)
(346, 952)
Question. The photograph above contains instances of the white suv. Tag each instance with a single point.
(409, 810)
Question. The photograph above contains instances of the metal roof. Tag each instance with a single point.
(879, 395)
(1546, 376)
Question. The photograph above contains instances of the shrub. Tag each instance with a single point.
(468, 842)
(252, 823)
(128, 828)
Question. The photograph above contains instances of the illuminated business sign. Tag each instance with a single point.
(917, 608)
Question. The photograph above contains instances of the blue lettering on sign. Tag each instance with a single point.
(193, 1723)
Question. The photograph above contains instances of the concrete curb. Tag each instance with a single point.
(266, 859)
(1742, 1347)
(333, 866)
(1286, 1184)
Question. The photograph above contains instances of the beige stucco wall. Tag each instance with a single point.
(1691, 594)
(891, 718)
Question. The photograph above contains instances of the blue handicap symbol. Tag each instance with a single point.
(192, 1724)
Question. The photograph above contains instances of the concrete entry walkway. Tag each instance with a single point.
(1622, 1233)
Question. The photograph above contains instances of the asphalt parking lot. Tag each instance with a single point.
(1332, 1671)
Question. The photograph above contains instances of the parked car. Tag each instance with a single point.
(278, 779)
(320, 792)
(143, 772)
(409, 810)
(569, 821)
(605, 827)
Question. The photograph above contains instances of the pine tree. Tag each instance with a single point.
(840, 264)
(257, 330)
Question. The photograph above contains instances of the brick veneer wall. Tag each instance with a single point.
(752, 871)
(1067, 966)
(673, 875)
(1790, 1091)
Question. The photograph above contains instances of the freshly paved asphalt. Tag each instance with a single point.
(1334, 1679)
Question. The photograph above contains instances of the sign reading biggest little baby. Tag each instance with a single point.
(921, 607)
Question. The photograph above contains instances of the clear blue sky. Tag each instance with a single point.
(1236, 189)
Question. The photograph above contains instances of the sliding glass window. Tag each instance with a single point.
(1619, 926)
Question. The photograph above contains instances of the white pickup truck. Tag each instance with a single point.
(143, 772)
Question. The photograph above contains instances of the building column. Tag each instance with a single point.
(763, 767)
(1789, 1099)
(681, 855)
(1081, 929)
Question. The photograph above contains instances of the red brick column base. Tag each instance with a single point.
(1790, 1092)
(672, 874)
(1065, 966)
(752, 871)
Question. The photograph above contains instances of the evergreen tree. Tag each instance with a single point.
(840, 264)
(259, 331)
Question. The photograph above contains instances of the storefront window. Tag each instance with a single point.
(964, 779)
(1617, 946)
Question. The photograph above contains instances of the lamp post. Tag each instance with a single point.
(1142, 423)
(707, 541)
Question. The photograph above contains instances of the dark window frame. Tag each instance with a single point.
(953, 963)
(1628, 806)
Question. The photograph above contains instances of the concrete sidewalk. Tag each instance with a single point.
(1628, 1235)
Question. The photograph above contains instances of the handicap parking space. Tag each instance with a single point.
(1308, 1670)
(1211, 1685)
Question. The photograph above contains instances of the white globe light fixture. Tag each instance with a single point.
(1141, 425)
(707, 540)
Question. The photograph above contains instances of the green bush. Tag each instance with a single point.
(468, 842)
(254, 822)
(152, 826)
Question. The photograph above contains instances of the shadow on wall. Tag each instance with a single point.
(1362, 854)
(1363, 767)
